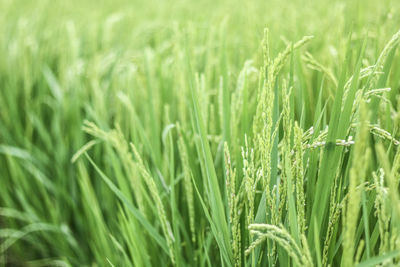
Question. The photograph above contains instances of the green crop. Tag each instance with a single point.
(199, 133)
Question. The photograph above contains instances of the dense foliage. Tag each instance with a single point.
(199, 133)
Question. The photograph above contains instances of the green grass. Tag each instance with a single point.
(199, 133)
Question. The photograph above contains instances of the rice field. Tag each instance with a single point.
(199, 133)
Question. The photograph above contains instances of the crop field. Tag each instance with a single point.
(199, 133)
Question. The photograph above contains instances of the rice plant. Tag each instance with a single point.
(199, 133)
